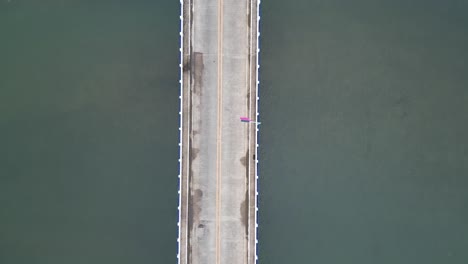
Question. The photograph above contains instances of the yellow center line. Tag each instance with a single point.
(219, 126)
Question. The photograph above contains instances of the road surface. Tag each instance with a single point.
(218, 203)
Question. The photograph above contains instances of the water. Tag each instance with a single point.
(363, 154)
(363, 137)
(88, 131)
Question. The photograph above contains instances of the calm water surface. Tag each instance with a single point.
(88, 131)
(364, 153)
(364, 108)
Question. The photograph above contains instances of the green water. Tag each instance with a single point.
(363, 156)
(88, 131)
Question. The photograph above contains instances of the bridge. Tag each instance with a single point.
(218, 153)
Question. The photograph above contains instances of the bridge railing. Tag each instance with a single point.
(181, 119)
(257, 82)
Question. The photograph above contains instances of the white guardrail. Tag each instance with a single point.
(256, 132)
(181, 118)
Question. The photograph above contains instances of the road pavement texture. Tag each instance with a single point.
(218, 203)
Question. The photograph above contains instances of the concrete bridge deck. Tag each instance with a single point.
(218, 192)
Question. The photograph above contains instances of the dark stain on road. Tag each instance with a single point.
(194, 154)
(197, 71)
(194, 208)
(244, 207)
(243, 160)
(244, 212)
